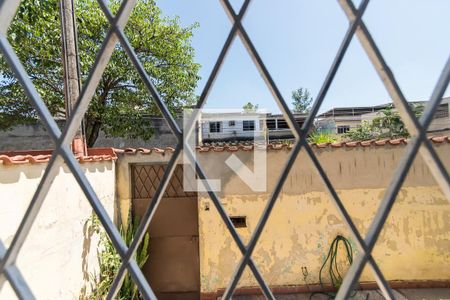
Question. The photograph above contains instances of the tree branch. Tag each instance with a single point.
(54, 88)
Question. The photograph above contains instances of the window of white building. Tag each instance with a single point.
(248, 125)
(343, 129)
(215, 126)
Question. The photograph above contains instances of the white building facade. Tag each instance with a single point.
(232, 126)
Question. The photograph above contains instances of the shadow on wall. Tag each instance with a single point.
(13, 173)
(88, 233)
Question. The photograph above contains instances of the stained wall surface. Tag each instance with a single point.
(414, 244)
(59, 254)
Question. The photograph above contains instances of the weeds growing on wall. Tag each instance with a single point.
(109, 261)
(321, 138)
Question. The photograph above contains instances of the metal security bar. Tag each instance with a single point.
(63, 154)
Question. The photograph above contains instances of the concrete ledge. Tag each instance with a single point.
(310, 288)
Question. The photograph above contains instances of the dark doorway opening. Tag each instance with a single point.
(173, 266)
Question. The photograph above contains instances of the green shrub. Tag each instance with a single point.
(109, 260)
(320, 138)
(361, 133)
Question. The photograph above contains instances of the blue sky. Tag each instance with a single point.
(298, 39)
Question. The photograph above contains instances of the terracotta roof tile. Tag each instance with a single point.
(233, 147)
(43, 156)
(322, 145)
(397, 141)
(109, 154)
(351, 144)
(381, 142)
(276, 146)
(367, 143)
(440, 139)
(202, 149)
(336, 145)
(130, 150)
(157, 150)
(218, 149)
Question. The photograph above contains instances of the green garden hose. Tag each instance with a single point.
(333, 270)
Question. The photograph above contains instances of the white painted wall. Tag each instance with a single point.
(235, 131)
(57, 256)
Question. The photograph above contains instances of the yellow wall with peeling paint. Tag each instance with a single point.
(414, 245)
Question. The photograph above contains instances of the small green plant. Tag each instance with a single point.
(250, 107)
(109, 261)
(321, 138)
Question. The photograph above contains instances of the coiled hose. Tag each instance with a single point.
(333, 270)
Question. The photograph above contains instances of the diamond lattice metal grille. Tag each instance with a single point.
(63, 154)
(146, 178)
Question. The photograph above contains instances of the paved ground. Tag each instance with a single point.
(404, 294)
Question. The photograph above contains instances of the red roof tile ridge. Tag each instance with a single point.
(440, 139)
(43, 156)
(352, 144)
(233, 147)
(381, 142)
(158, 150)
(336, 144)
(397, 141)
(144, 150)
(367, 143)
(322, 145)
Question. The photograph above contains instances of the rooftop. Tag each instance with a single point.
(359, 110)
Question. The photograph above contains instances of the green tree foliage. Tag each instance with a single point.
(301, 100)
(250, 107)
(361, 133)
(121, 101)
(388, 124)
